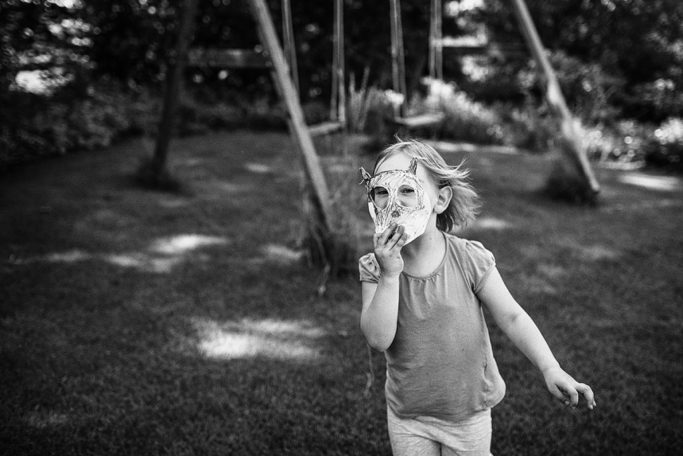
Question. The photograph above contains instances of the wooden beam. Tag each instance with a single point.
(228, 58)
(338, 92)
(467, 47)
(325, 128)
(422, 120)
(285, 87)
(288, 42)
(570, 125)
(398, 61)
(436, 41)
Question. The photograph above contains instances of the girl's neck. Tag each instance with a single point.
(424, 254)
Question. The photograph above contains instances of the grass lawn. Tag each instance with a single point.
(138, 323)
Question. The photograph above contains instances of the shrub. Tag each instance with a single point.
(623, 142)
(368, 111)
(364, 103)
(653, 101)
(315, 112)
(38, 126)
(465, 119)
(588, 89)
(528, 127)
(665, 147)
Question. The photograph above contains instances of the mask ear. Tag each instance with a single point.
(443, 200)
(412, 169)
(366, 176)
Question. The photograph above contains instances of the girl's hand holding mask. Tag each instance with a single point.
(388, 245)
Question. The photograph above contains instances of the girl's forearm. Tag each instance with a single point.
(378, 321)
(526, 336)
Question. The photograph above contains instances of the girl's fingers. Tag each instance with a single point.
(571, 396)
(384, 236)
(395, 237)
(569, 393)
(375, 239)
(555, 391)
(402, 241)
(587, 394)
(574, 397)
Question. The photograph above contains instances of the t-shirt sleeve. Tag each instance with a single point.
(477, 263)
(368, 268)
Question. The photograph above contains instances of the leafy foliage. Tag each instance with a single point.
(666, 149)
(630, 42)
(65, 124)
(615, 59)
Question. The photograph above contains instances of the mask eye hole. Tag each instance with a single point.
(407, 196)
(380, 196)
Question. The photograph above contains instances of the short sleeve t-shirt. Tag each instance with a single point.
(440, 362)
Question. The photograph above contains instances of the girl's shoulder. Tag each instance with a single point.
(475, 260)
(465, 246)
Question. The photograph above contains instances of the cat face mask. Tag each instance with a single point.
(398, 196)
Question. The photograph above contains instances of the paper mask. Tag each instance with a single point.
(398, 196)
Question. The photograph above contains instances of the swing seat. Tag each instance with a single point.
(419, 121)
(325, 128)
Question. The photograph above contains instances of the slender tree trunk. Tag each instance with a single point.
(173, 87)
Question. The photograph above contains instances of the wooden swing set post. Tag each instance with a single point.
(398, 61)
(338, 97)
(400, 121)
(288, 42)
(297, 125)
(337, 116)
(555, 98)
(436, 41)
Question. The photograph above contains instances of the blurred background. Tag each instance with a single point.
(192, 316)
(79, 75)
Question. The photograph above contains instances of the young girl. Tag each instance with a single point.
(423, 291)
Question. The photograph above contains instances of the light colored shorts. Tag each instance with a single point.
(425, 435)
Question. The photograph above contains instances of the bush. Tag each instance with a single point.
(465, 119)
(38, 126)
(366, 106)
(33, 126)
(368, 111)
(315, 112)
(528, 127)
(665, 147)
(588, 89)
(653, 101)
(622, 142)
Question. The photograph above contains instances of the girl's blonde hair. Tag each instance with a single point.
(464, 204)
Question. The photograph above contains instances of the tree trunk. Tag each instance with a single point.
(172, 89)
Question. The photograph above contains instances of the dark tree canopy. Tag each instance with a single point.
(636, 42)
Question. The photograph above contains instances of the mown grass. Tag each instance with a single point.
(135, 322)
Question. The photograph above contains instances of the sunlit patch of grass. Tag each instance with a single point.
(269, 338)
(660, 183)
(257, 168)
(161, 256)
(180, 244)
(491, 223)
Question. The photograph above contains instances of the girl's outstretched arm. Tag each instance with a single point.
(524, 333)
